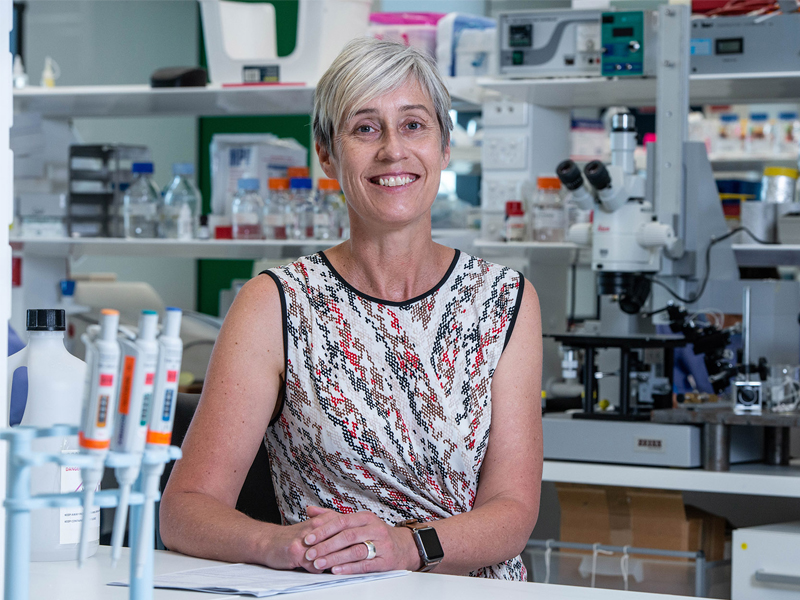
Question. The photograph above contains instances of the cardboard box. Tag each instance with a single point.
(642, 518)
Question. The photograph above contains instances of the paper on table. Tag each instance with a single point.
(258, 581)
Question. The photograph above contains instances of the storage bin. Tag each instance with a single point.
(575, 564)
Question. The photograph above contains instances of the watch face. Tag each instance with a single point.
(430, 541)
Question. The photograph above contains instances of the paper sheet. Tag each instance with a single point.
(257, 581)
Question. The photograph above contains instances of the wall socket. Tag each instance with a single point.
(504, 113)
(497, 189)
(504, 151)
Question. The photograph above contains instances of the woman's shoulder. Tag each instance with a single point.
(300, 270)
(489, 271)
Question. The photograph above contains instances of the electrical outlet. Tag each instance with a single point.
(504, 113)
(504, 151)
(496, 190)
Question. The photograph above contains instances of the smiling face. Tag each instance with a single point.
(388, 158)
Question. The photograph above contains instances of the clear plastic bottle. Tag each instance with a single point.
(515, 221)
(787, 134)
(759, 135)
(275, 207)
(247, 210)
(140, 204)
(180, 205)
(728, 140)
(548, 214)
(300, 225)
(327, 210)
(55, 395)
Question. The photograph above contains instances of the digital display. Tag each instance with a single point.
(622, 32)
(520, 36)
(430, 541)
(730, 46)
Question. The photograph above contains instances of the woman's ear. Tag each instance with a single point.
(326, 161)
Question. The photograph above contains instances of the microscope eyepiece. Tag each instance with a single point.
(597, 174)
(570, 175)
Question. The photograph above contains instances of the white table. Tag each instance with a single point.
(63, 581)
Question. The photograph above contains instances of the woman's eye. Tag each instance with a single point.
(414, 125)
(364, 129)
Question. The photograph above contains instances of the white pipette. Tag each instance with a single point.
(99, 405)
(133, 410)
(162, 417)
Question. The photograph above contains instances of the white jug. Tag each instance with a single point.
(55, 395)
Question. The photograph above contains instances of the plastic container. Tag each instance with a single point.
(728, 140)
(759, 135)
(180, 205)
(778, 185)
(247, 211)
(515, 221)
(327, 210)
(275, 208)
(414, 29)
(548, 214)
(55, 396)
(787, 134)
(140, 204)
(300, 220)
(297, 172)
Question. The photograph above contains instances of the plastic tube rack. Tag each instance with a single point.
(19, 503)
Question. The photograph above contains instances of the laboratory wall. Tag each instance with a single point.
(117, 42)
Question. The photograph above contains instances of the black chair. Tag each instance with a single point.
(257, 497)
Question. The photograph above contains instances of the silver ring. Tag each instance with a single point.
(371, 552)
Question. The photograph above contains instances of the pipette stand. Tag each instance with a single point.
(19, 503)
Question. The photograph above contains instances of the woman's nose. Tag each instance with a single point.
(392, 147)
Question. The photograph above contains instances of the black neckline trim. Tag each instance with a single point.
(390, 302)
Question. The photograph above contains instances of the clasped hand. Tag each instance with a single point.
(335, 541)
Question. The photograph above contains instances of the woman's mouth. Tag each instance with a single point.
(393, 180)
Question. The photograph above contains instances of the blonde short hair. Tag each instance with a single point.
(366, 69)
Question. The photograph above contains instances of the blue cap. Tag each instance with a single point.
(67, 287)
(249, 185)
(142, 167)
(786, 116)
(174, 308)
(728, 118)
(300, 183)
(758, 116)
(183, 169)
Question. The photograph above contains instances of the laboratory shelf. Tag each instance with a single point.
(747, 479)
(751, 162)
(144, 101)
(213, 100)
(230, 249)
(773, 255)
(743, 88)
(199, 249)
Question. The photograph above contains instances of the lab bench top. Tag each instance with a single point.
(64, 581)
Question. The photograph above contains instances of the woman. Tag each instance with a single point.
(397, 355)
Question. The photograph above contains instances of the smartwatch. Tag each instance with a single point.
(427, 541)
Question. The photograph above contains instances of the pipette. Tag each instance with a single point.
(162, 416)
(99, 404)
(133, 410)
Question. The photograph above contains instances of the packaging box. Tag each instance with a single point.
(642, 518)
(237, 156)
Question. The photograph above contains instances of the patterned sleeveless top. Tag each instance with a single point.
(387, 405)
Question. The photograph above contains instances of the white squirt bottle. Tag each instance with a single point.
(55, 394)
(139, 361)
(97, 422)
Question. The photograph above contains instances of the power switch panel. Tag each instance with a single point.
(505, 151)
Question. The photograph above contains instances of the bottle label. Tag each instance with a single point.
(322, 220)
(548, 218)
(72, 517)
(274, 220)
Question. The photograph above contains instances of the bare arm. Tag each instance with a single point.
(245, 375)
(507, 502)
